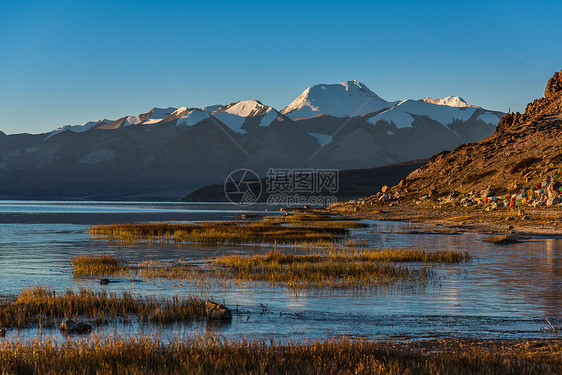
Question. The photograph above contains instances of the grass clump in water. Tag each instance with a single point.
(221, 233)
(501, 240)
(207, 355)
(319, 271)
(96, 265)
(43, 305)
(334, 268)
(315, 220)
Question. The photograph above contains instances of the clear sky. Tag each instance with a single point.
(68, 62)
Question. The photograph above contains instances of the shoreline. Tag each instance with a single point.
(536, 221)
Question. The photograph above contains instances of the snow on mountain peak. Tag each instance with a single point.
(234, 115)
(451, 101)
(192, 116)
(77, 128)
(243, 108)
(157, 115)
(350, 98)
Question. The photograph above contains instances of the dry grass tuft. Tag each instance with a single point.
(334, 268)
(211, 355)
(222, 233)
(40, 305)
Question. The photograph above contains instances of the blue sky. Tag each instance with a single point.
(68, 62)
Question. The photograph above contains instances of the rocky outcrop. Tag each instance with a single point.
(524, 151)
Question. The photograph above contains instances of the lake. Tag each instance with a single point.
(505, 292)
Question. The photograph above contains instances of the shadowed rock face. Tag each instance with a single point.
(524, 150)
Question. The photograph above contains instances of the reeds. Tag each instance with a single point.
(222, 233)
(96, 265)
(332, 268)
(315, 220)
(318, 271)
(40, 305)
(212, 355)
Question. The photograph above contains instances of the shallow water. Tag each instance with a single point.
(505, 292)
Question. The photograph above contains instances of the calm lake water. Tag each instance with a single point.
(505, 292)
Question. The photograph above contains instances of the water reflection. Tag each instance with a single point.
(507, 291)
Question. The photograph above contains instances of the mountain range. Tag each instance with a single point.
(166, 152)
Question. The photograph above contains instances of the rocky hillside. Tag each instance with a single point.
(525, 151)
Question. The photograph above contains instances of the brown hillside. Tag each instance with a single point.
(524, 150)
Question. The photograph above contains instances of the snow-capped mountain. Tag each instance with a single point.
(345, 99)
(404, 113)
(164, 152)
(236, 115)
(78, 128)
(451, 101)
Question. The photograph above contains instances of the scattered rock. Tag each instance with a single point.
(2, 332)
(498, 205)
(553, 189)
(509, 218)
(217, 311)
(488, 192)
(384, 198)
(70, 326)
(521, 212)
(552, 201)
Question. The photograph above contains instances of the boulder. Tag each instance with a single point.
(70, 326)
(217, 311)
(488, 192)
(104, 281)
(384, 198)
(553, 189)
(552, 201)
(2, 332)
(384, 189)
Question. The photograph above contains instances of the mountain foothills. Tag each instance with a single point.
(166, 152)
(524, 153)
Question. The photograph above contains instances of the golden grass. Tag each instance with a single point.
(334, 268)
(300, 216)
(96, 265)
(221, 233)
(500, 240)
(317, 220)
(40, 305)
(211, 355)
